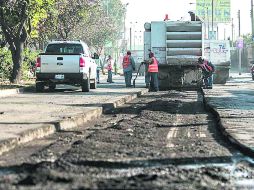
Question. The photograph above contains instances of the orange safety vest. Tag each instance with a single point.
(126, 61)
(153, 68)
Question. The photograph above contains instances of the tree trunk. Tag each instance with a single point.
(17, 62)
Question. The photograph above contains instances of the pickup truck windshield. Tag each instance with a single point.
(64, 48)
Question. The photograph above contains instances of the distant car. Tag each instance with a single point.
(66, 62)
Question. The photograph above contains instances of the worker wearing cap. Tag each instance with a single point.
(207, 71)
(153, 70)
(128, 67)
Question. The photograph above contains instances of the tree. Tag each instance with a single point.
(18, 18)
(94, 21)
(103, 25)
(70, 13)
(46, 30)
(2, 39)
(62, 20)
(247, 39)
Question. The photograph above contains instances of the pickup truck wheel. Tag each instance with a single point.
(85, 85)
(39, 86)
(93, 85)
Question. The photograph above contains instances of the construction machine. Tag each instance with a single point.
(177, 45)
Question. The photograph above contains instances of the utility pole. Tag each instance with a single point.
(124, 32)
(212, 20)
(252, 20)
(224, 33)
(232, 40)
(239, 23)
(205, 27)
(134, 41)
(107, 6)
(252, 31)
(240, 48)
(208, 23)
(130, 38)
(217, 36)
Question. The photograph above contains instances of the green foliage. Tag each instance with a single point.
(2, 40)
(18, 20)
(38, 11)
(116, 14)
(29, 63)
(5, 64)
(109, 16)
(70, 13)
(24, 13)
(247, 39)
(98, 22)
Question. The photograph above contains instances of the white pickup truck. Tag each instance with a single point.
(66, 62)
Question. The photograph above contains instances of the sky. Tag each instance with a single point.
(141, 11)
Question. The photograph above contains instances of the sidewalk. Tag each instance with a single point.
(233, 104)
(27, 115)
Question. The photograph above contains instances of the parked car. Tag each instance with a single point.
(66, 62)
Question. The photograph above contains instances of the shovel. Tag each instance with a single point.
(137, 74)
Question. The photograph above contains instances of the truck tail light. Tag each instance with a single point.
(81, 62)
(38, 62)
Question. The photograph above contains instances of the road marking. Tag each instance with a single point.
(172, 133)
(170, 145)
(202, 135)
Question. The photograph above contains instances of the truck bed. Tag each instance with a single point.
(60, 63)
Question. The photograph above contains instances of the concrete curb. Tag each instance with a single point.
(66, 123)
(9, 92)
(78, 120)
(223, 129)
(109, 106)
(26, 136)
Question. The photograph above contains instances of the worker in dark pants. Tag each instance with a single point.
(153, 70)
(98, 69)
(207, 71)
(128, 67)
(147, 76)
(110, 63)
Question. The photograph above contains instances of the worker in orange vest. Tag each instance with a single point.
(128, 67)
(153, 70)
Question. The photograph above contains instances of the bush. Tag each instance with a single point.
(5, 64)
(29, 64)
